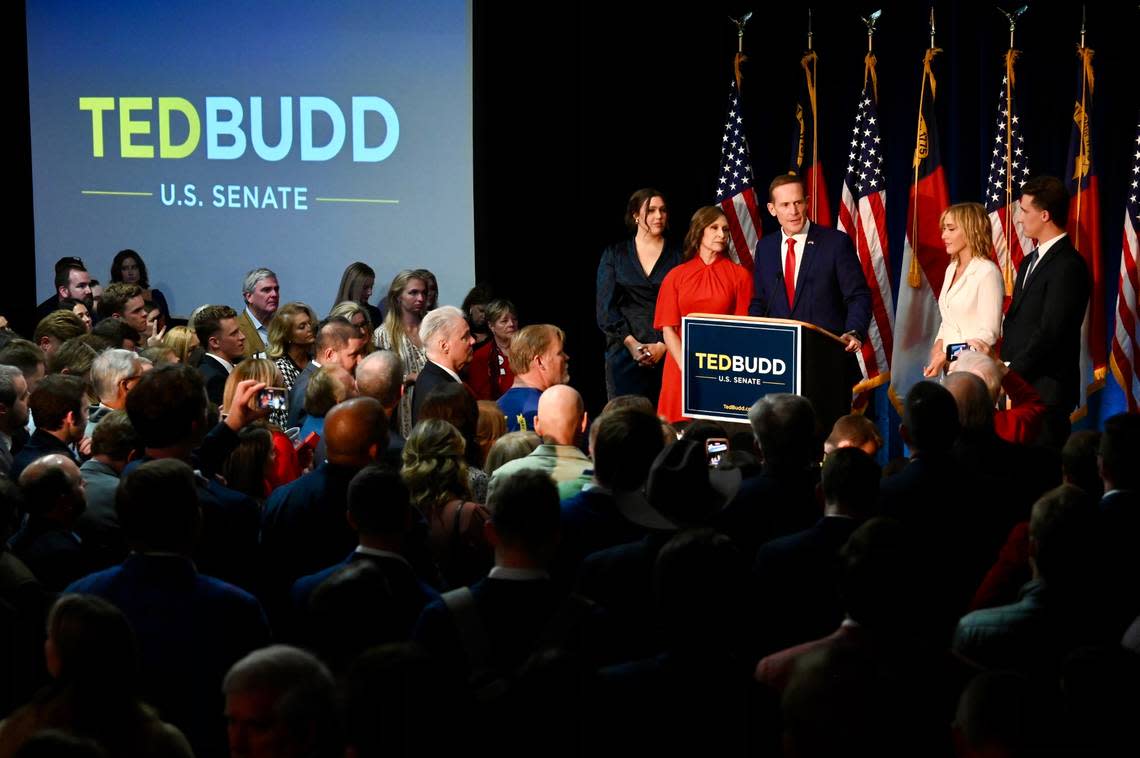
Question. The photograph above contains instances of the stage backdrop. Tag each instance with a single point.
(215, 137)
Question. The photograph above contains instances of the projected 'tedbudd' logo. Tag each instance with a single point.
(227, 136)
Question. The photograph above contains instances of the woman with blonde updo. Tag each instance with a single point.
(972, 290)
(292, 339)
(182, 340)
(435, 473)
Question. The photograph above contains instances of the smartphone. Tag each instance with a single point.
(954, 348)
(310, 442)
(273, 399)
(715, 447)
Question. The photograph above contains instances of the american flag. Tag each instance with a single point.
(863, 216)
(1125, 347)
(734, 191)
(1009, 168)
(1084, 231)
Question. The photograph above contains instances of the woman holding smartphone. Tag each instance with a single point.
(972, 290)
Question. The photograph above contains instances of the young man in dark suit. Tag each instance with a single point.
(808, 272)
(224, 343)
(1041, 334)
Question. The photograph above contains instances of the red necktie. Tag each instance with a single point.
(790, 272)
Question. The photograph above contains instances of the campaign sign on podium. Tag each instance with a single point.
(732, 361)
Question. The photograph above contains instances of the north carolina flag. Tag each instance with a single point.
(924, 256)
(805, 147)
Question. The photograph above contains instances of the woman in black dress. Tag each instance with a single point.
(629, 276)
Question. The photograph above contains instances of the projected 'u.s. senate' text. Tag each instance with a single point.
(224, 133)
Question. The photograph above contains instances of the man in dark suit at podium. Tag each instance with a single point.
(808, 272)
(1041, 333)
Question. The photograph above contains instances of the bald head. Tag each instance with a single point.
(975, 406)
(561, 415)
(356, 432)
(379, 376)
(53, 488)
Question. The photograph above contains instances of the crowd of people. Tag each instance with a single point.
(267, 533)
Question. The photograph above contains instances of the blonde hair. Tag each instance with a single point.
(434, 468)
(179, 339)
(491, 426)
(394, 320)
(510, 446)
(257, 369)
(975, 224)
(281, 327)
(346, 309)
(530, 342)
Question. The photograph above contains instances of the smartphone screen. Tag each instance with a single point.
(273, 399)
(714, 449)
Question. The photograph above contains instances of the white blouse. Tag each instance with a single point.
(971, 308)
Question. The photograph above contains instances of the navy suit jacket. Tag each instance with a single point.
(431, 376)
(297, 412)
(214, 375)
(831, 291)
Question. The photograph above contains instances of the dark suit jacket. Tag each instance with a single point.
(297, 412)
(54, 554)
(214, 375)
(430, 377)
(831, 291)
(39, 444)
(1041, 334)
(771, 504)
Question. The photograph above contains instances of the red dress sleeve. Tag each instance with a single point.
(286, 468)
(668, 312)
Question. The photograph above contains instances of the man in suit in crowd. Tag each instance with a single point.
(47, 544)
(338, 343)
(261, 295)
(59, 408)
(448, 343)
(71, 280)
(808, 272)
(13, 413)
(1041, 333)
(380, 375)
(224, 343)
(113, 445)
(125, 302)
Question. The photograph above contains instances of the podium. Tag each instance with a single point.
(732, 361)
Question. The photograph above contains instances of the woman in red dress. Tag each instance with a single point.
(706, 282)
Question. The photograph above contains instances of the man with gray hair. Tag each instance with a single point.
(13, 413)
(447, 342)
(114, 373)
(261, 295)
(1021, 422)
(380, 375)
(281, 702)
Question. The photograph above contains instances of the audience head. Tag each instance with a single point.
(1079, 462)
(281, 702)
(1003, 713)
(72, 279)
(128, 267)
(681, 490)
(446, 337)
(431, 292)
(454, 403)
(624, 444)
(378, 503)
(982, 366)
(168, 407)
(356, 283)
(474, 307)
(1044, 207)
(293, 324)
(54, 489)
(356, 432)
(698, 583)
(975, 405)
(56, 328)
(930, 419)
(158, 508)
(260, 370)
(850, 482)
(966, 232)
(525, 515)
(355, 314)
(538, 356)
(261, 293)
(96, 293)
(27, 357)
(561, 415)
(181, 339)
(502, 321)
(1060, 535)
(158, 355)
(91, 646)
(115, 440)
(59, 405)
(14, 397)
(1120, 452)
(630, 402)
(114, 374)
(327, 387)
(879, 575)
(218, 332)
(435, 468)
(126, 303)
(80, 309)
(74, 358)
(853, 430)
(407, 296)
(380, 376)
(339, 343)
(117, 333)
(510, 446)
(491, 426)
(785, 429)
(249, 464)
(705, 219)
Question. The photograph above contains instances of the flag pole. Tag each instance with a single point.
(1081, 169)
(810, 66)
(1010, 57)
(740, 57)
(869, 61)
(921, 149)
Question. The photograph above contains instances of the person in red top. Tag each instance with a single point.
(489, 373)
(708, 281)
